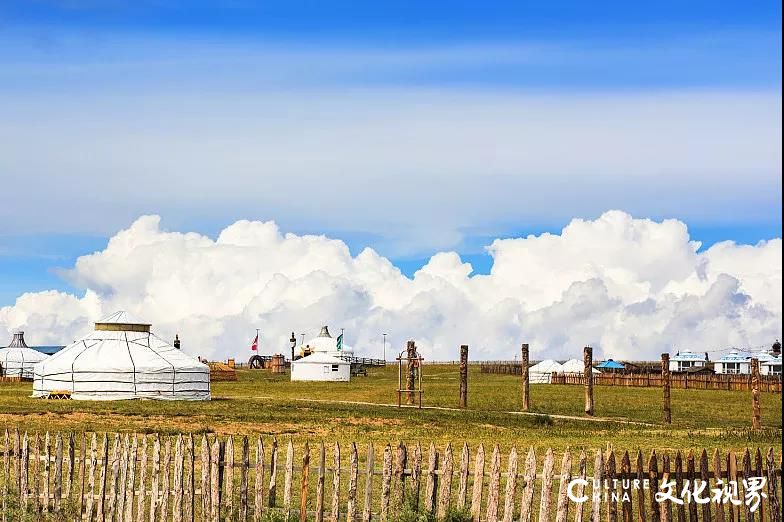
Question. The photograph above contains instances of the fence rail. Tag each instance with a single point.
(135, 478)
(767, 383)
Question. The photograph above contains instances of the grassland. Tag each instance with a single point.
(260, 402)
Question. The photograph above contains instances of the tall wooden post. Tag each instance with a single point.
(665, 369)
(756, 422)
(464, 376)
(410, 353)
(524, 368)
(588, 377)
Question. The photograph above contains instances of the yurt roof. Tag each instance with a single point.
(122, 321)
(18, 340)
(575, 366)
(320, 358)
(18, 351)
(546, 366)
(733, 356)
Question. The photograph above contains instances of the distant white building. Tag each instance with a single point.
(685, 360)
(733, 363)
(324, 343)
(771, 367)
(320, 366)
(542, 372)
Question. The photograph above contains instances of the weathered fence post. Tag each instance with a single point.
(665, 368)
(588, 375)
(410, 354)
(756, 423)
(524, 372)
(464, 376)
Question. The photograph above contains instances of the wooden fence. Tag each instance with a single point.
(137, 478)
(767, 383)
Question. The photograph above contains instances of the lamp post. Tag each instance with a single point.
(385, 346)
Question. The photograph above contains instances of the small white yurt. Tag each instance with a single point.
(575, 366)
(542, 372)
(321, 367)
(121, 359)
(18, 359)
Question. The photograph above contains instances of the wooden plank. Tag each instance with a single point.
(431, 480)
(142, 496)
(17, 461)
(288, 477)
(626, 491)
(23, 470)
(479, 476)
(750, 515)
(386, 479)
(155, 477)
(547, 485)
(122, 489)
(227, 496)
(640, 475)
(582, 473)
(114, 476)
(101, 507)
(272, 488)
(705, 477)
(399, 490)
(718, 474)
(47, 473)
(36, 475)
(244, 467)
(91, 477)
(215, 484)
(416, 476)
(165, 484)
(130, 481)
(462, 488)
(206, 477)
(511, 486)
(612, 505)
(680, 510)
(598, 478)
(529, 486)
(774, 502)
(691, 475)
(733, 511)
(665, 508)
(653, 477)
(758, 472)
(6, 470)
(179, 460)
(562, 509)
(353, 477)
(190, 481)
(82, 464)
(58, 471)
(493, 493)
(445, 488)
(335, 504)
(303, 491)
(258, 503)
(320, 483)
(367, 508)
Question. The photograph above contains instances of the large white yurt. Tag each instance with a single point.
(542, 372)
(325, 343)
(321, 367)
(18, 359)
(122, 359)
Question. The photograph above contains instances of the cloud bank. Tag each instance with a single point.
(632, 288)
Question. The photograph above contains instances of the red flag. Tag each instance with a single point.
(255, 345)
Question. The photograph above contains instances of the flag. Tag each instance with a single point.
(340, 342)
(255, 345)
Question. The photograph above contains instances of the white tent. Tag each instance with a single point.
(325, 343)
(541, 373)
(17, 360)
(320, 367)
(575, 366)
(121, 359)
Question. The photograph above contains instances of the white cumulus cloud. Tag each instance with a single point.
(632, 288)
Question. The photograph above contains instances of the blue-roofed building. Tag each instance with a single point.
(687, 360)
(610, 366)
(733, 362)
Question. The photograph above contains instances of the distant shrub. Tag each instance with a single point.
(542, 420)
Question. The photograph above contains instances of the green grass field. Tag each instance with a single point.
(260, 402)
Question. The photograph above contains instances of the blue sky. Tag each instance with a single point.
(411, 127)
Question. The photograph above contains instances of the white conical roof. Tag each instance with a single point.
(18, 359)
(122, 317)
(122, 364)
(575, 366)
